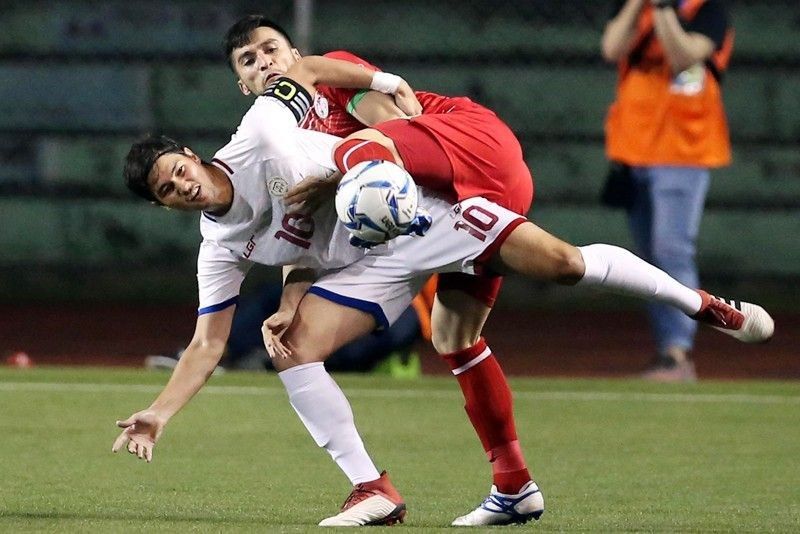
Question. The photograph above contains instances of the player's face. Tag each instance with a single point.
(265, 57)
(181, 181)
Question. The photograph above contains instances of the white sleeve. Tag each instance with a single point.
(267, 132)
(219, 277)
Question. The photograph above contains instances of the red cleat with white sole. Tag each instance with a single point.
(370, 503)
(744, 321)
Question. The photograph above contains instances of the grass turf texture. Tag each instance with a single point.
(610, 455)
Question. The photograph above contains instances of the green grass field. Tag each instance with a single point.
(610, 456)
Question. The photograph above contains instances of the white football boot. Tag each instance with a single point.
(370, 503)
(742, 320)
(503, 509)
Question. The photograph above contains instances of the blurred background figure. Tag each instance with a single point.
(664, 132)
(389, 351)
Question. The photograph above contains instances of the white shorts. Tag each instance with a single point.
(462, 238)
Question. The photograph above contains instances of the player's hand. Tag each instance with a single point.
(142, 430)
(307, 196)
(407, 101)
(273, 330)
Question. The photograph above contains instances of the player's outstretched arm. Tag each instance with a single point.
(313, 70)
(143, 429)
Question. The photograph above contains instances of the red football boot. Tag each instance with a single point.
(370, 503)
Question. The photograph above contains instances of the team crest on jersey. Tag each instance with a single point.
(321, 106)
(277, 186)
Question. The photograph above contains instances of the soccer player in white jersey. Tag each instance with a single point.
(345, 303)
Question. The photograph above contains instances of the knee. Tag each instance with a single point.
(447, 340)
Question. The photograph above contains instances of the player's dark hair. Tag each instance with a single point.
(238, 35)
(140, 160)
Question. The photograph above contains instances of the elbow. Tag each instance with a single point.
(610, 52)
(206, 349)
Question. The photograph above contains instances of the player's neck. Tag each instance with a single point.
(224, 186)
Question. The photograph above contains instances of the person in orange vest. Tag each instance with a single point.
(664, 132)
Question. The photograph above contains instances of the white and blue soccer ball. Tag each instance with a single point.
(377, 201)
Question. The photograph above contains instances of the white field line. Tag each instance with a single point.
(411, 392)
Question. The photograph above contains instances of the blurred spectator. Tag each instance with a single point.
(664, 132)
(389, 351)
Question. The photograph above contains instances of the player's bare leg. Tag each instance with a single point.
(457, 320)
(531, 251)
(319, 328)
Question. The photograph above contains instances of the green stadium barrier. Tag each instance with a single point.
(95, 163)
(566, 172)
(201, 97)
(572, 100)
(74, 97)
(767, 29)
(172, 27)
(118, 26)
(735, 243)
(95, 233)
(532, 100)
(17, 160)
(92, 234)
(463, 29)
(761, 103)
(758, 176)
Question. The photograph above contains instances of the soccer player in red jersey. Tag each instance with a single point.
(475, 140)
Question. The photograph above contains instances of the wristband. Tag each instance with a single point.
(385, 83)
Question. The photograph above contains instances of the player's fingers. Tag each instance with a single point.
(148, 454)
(132, 447)
(281, 349)
(119, 442)
(295, 196)
(127, 422)
(270, 348)
(298, 192)
(140, 451)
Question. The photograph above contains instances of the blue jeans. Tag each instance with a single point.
(665, 220)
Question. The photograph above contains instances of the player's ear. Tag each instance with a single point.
(296, 54)
(188, 152)
(243, 88)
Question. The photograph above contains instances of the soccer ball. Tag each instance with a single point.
(376, 200)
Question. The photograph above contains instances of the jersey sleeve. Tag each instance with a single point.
(268, 129)
(345, 98)
(219, 277)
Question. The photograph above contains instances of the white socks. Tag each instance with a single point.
(326, 413)
(616, 269)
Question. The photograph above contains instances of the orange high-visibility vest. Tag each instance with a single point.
(654, 122)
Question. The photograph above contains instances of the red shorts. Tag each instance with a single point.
(485, 156)
(473, 153)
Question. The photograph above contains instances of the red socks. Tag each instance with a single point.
(489, 407)
(353, 151)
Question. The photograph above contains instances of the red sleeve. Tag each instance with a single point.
(342, 97)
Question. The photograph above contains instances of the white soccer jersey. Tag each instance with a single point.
(266, 156)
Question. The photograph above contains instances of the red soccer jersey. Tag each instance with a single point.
(484, 154)
(330, 111)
